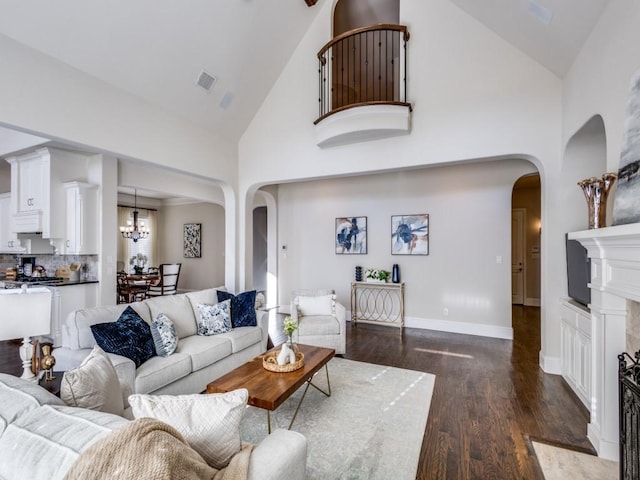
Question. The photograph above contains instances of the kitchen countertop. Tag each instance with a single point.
(64, 283)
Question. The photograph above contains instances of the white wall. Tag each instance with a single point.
(469, 209)
(195, 273)
(475, 97)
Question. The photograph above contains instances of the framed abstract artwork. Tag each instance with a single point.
(351, 235)
(410, 234)
(192, 240)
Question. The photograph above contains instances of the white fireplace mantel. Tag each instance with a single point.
(615, 278)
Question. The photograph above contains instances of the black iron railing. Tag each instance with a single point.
(629, 397)
(365, 66)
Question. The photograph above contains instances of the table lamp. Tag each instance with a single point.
(26, 312)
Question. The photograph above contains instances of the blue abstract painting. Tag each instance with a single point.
(410, 234)
(351, 235)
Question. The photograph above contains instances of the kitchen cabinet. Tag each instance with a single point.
(38, 198)
(9, 242)
(81, 219)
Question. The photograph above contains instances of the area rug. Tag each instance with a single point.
(561, 463)
(371, 427)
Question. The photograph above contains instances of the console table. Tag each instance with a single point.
(377, 303)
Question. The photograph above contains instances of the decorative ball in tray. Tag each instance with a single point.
(270, 362)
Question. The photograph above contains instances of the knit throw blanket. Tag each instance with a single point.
(149, 449)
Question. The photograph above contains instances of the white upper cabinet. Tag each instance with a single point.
(9, 242)
(81, 219)
(38, 200)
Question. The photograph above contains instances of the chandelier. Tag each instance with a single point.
(134, 230)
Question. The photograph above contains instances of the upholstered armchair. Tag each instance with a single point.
(321, 319)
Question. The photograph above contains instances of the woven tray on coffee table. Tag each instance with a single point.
(270, 362)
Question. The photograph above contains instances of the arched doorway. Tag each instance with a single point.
(526, 229)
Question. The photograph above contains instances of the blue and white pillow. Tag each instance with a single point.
(129, 336)
(214, 319)
(243, 308)
(164, 335)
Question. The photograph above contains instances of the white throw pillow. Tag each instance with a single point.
(93, 385)
(320, 305)
(209, 422)
(214, 319)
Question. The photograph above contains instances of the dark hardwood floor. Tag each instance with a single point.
(490, 396)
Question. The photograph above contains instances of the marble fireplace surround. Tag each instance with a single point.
(615, 284)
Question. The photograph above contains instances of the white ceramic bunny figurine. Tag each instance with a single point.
(283, 356)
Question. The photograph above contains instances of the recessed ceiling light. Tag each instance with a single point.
(541, 12)
(206, 80)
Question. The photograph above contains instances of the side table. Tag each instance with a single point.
(52, 386)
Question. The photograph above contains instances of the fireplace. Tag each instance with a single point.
(629, 394)
(615, 289)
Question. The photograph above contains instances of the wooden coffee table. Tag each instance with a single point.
(268, 390)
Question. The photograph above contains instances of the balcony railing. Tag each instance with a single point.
(365, 66)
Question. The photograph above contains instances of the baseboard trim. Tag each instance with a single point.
(451, 326)
(532, 302)
(551, 365)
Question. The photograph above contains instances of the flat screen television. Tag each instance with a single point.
(578, 272)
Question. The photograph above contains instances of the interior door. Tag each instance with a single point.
(518, 216)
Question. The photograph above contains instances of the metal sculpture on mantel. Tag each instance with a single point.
(596, 191)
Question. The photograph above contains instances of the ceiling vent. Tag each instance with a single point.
(206, 80)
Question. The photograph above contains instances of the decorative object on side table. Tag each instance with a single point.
(374, 275)
(358, 274)
(47, 362)
(596, 191)
(395, 275)
(27, 313)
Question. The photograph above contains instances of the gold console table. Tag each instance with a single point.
(377, 303)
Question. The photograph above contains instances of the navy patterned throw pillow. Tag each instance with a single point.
(243, 308)
(129, 336)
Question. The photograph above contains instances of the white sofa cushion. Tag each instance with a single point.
(320, 305)
(158, 372)
(178, 309)
(47, 440)
(318, 325)
(210, 296)
(18, 396)
(205, 351)
(93, 385)
(210, 423)
(242, 337)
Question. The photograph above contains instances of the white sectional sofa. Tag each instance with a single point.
(41, 438)
(197, 361)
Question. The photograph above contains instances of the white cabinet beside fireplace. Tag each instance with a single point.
(576, 350)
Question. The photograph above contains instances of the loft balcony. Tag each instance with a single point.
(363, 86)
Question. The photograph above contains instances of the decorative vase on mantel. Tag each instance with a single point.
(596, 191)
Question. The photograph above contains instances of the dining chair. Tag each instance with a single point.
(129, 291)
(168, 283)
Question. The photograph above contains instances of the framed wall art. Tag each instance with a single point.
(192, 240)
(410, 234)
(351, 235)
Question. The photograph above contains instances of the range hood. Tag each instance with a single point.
(33, 243)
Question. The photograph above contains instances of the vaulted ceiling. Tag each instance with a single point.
(156, 49)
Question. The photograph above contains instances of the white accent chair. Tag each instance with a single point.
(168, 284)
(321, 319)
